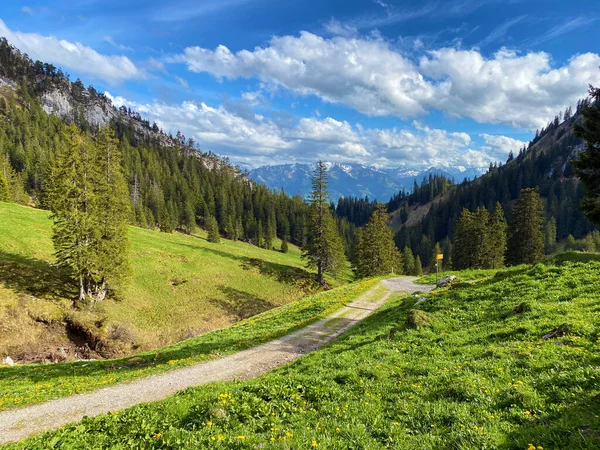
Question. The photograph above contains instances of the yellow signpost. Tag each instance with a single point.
(438, 257)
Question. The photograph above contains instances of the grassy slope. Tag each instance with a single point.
(26, 384)
(182, 286)
(479, 376)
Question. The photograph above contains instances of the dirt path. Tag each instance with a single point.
(21, 423)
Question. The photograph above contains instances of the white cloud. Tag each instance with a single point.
(258, 140)
(28, 10)
(73, 55)
(368, 75)
(500, 146)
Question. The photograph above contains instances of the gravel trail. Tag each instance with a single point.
(17, 424)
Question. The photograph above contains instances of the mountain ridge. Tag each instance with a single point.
(352, 179)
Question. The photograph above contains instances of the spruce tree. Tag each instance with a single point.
(70, 197)
(587, 166)
(496, 239)
(525, 234)
(324, 249)
(213, 230)
(418, 269)
(550, 235)
(284, 246)
(4, 189)
(112, 211)
(90, 207)
(409, 260)
(376, 252)
(463, 247)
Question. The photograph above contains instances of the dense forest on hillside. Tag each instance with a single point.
(172, 186)
(545, 162)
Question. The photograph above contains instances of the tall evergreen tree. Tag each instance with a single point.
(377, 253)
(90, 207)
(409, 260)
(525, 234)
(4, 189)
(496, 239)
(587, 167)
(550, 235)
(213, 230)
(324, 249)
(112, 211)
(418, 268)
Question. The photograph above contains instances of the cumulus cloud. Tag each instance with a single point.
(257, 140)
(73, 55)
(372, 77)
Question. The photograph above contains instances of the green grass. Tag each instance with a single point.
(473, 373)
(182, 286)
(26, 384)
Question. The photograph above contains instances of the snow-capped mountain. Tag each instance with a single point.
(348, 179)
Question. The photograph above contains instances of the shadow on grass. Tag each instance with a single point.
(35, 277)
(280, 272)
(241, 304)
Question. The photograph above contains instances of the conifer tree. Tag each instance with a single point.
(89, 201)
(409, 260)
(496, 239)
(4, 189)
(376, 252)
(525, 236)
(418, 269)
(284, 246)
(462, 256)
(587, 166)
(550, 235)
(324, 249)
(112, 211)
(165, 223)
(213, 230)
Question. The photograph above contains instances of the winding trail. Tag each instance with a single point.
(20, 423)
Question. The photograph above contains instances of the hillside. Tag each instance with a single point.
(507, 361)
(422, 220)
(182, 286)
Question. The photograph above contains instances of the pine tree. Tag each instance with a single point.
(70, 196)
(284, 246)
(377, 253)
(112, 211)
(90, 207)
(587, 167)
(324, 249)
(4, 189)
(550, 235)
(463, 248)
(526, 237)
(165, 223)
(418, 269)
(496, 239)
(409, 260)
(213, 230)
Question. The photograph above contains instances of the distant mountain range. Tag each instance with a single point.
(355, 180)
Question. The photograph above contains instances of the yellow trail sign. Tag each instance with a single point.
(439, 256)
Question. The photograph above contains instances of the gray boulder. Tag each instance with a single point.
(446, 281)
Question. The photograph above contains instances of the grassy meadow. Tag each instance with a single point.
(182, 286)
(22, 385)
(466, 369)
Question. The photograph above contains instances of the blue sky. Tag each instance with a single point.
(388, 83)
